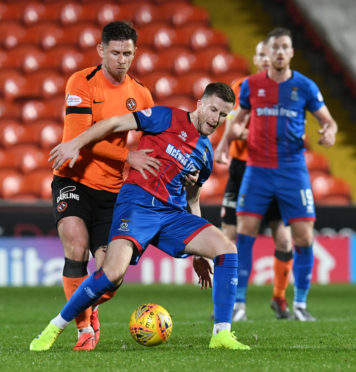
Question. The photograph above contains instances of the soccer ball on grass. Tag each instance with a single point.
(150, 325)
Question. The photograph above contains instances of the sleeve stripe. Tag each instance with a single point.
(78, 110)
(137, 121)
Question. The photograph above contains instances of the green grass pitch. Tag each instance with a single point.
(329, 344)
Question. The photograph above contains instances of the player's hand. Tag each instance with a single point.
(63, 152)
(142, 162)
(191, 178)
(328, 136)
(221, 153)
(203, 269)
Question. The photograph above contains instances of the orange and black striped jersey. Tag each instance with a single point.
(238, 148)
(90, 97)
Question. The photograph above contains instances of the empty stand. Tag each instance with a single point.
(331, 190)
(43, 109)
(10, 184)
(12, 133)
(181, 101)
(317, 164)
(38, 183)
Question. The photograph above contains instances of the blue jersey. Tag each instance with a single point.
(179, 147)
(277, 123)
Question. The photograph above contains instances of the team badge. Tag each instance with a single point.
(124, 226)
(147, 112)
(261, 93)
(294, 94)
(131, 104)
(242, 200)
(183, 135)
(62, 206)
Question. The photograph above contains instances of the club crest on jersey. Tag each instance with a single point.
(183, 135)
(261, 93)
(205, 157)
(73, 100)
(124, 226)
(131, 104)
(242, 200)
(62, 206)
(294, 94)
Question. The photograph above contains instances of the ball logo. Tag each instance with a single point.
(147, 112)
(62, 206)
(131, 104)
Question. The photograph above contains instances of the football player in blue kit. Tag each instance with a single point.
(159, 209)
(277, 100)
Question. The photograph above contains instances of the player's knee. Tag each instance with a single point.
(283, 244)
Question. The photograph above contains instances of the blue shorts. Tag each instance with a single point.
(289, 186)
(143, 219)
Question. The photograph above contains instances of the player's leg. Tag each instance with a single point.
(302, 232)
(282, 266)
(105, 279)
(70, 206)
(296, 204)
(212, 243)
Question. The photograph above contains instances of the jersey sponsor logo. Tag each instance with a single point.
(183, 135)
(183, 159)
(124, 226)
(62, 206)
(147, 112)
(67, 193)
(131, 104)
(73, 100)
(276, 111)
(261, 93)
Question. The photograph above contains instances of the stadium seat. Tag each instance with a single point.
(7, 161)
(227, 62)
(317, 163)
(25, 57)
(213, 190)
(157, 35)
(145, 61)
(38, 183)
(147, 13)
(11, 11)
(184, 13)
(13, 132)
(110, 12)
(73, 60)
(182, 60)
(52, 108)
(10, 183)
(198, 37)
(10, 110)
(35, 12)
(331, 190)
(10, 82)
(30, 157)
(11, 34)
(228, 77)
(161, 84)
(193, 84)
(48, 133)
(182, 102)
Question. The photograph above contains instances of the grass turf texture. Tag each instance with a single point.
(329, 344)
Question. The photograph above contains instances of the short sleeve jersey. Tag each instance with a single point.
(277, 122)
(90, 97)
(179, 147)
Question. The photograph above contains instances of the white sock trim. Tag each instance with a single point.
(220, 327)
(59, 322)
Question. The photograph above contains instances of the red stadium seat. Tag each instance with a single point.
(11, 11)
(12, 133)
(182, 60)
(11, 34)
(38, 183)
(10, 183)
(199, 37)
(182, 102)
(161, 84)
(317, 163)
(35, 12)
(193, 84)
(25, 57)
(147, 13)
(7, 160)
(157, 35)
(73, 60)
(110, 12)
(213, 190)
(227, 62)
(10, 80)
(145, 61)
(331, 190)
(30, 157)
(34, 110)
(10, 110)
(49, 133)
(228, 77)
(184, 13)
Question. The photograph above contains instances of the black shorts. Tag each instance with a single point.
(228, 206)
(94, 207)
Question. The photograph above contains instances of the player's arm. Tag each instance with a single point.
(70, 150)
(235, 128)
(193, 196)
(328, 127)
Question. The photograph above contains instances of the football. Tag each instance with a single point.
(150, 325)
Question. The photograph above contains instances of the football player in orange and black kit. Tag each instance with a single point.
(283, 259)
(84, 196)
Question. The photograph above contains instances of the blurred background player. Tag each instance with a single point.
(276, 101)
(84, 196)
(281, 234)
(164, 201)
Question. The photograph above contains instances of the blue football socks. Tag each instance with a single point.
(244, 245)
(224, 286)
(86, 294)
(302, 271)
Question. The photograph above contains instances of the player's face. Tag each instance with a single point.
(261, 59)
(280, 52)
(117, 57)
(212, 111)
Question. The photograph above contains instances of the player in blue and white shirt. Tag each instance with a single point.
(153, 208)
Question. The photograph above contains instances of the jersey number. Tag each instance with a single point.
(307, 196)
